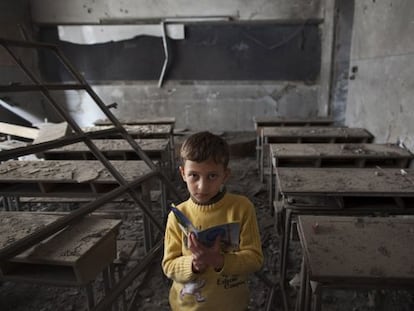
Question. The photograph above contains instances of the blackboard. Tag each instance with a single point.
(244, 51)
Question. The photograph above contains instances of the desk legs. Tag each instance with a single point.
(90, 295)
(262, 157)
(284, 254)
(258, 150)
(303, 302)
(148, 227)
(271, 184)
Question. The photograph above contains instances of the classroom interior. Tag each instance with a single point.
(314, 98)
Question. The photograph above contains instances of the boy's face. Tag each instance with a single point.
(204, 179)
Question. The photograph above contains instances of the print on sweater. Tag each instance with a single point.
(193, 288)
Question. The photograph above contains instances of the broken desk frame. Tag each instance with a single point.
(13, 47)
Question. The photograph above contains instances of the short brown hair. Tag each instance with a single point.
(202, 146)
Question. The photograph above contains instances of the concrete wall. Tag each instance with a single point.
(381, 91)
(110, 11)
(218, 105)
(212, 106)
(15, 23)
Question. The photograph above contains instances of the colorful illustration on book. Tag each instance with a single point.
(229, 232)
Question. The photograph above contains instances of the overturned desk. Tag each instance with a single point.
(335, 155)
(341, 191)
(280, 135)
(72, 257)
(354, 252)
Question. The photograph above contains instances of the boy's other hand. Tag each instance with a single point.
(206, 256)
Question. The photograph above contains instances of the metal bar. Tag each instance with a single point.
(116, 122)
(27, 44)
(94, 149)
(30, 88)
(106, 302)
(165, 46)
(104, 109)
(60, 142)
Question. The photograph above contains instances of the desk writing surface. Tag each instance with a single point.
(319, 132)
(345, 181)
(65, 178)
(69, 171)
(339, 151)
(358, 247)
(18, 225)
(115, 145)
(72, 256)
(69, 245)
(64, 247)
(143, 130)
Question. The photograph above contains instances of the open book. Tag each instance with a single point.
(229, 232)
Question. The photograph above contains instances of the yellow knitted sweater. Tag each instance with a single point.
(211, 290)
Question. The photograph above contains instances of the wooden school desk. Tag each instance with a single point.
(311, 135)
(73, 256)
(261, 122)
(146, 130)
(80, 179)
(115, 149)
(354, 252)
(341, 191)
(334, 155)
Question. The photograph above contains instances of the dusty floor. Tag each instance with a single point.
(151, 293)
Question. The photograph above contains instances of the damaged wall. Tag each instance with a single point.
(19, 108)
(213, 106)
(220, 104)
(381, 89)
(109, 11)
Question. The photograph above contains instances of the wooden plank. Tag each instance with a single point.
(18, 130)
(346, 181)
(325, 134)
(280, 152)
(339, 150)
(141, 121)
(148, 145)
(11, 144)
(358, 248)
(52, 131)
(266, 121)
(139, 131)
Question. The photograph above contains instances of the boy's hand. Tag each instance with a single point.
(203, 256)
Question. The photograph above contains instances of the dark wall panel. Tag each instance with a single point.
(209, 52)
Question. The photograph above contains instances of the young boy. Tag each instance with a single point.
(210, 278)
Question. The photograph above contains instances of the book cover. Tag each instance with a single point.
(229, 232)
